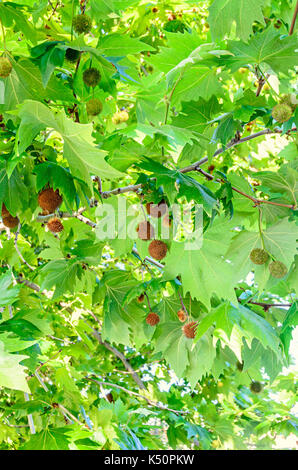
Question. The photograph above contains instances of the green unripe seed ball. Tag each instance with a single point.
(94, 107)
(258, 256)
(256, 387)
(5, 67)
(289, 100)
(72, 55)
(277, 269)
(281, 112)
(82, 24)
(91, 77)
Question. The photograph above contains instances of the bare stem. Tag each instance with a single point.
(293, 20)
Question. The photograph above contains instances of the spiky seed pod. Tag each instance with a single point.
(259, 256)
(277, 269)
(5, 67)
(94, 107)
(145, 230)
(4, 211)
(256, 387)
(91, 77)
(120, 116)
(72, 55)
(157, 210)
(189, 330)
(10, 221)
(152, 319)
(140, 299)
(281, 112)
(157, 249)
(55, 225)
(49, 200)
(181, 314)
(82, 24)
(290, 100)
(240, 366)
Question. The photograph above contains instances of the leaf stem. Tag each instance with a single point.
(293, 20)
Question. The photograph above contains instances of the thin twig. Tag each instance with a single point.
(17, 248)
(256, 201)
(293, 20)
(150, 402)
(121, 356)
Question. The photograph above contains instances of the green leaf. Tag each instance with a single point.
(204, 272)
(265, 48)
(12, 374)
(49, 439)
(8, 295)
(223, 13)
(83, 157)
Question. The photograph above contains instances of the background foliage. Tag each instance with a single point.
(187, 92)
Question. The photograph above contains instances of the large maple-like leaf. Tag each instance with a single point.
(265, 48)
(12, 374)
(84, 158)
(224, 12)
(204, 272)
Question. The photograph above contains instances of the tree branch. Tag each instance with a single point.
(195, 165)
(121, 356)
(150, 402)
(255, 200)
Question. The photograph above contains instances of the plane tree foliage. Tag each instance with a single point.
(109, 111)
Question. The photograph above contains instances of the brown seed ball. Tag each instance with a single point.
(49, 200)
(277, 269)
(140, 299)
(189, 330)
(256, 387)
(4, 211)
(10, 221)
(152, 319)
(182, 315)
(5, 67)
(157, 249)
(240, 366)
(145, 230)
(259, 256)
(156, 210)
(55, 225)
(91, 77)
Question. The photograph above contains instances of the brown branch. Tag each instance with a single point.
(261, 83)
(121, 356)
(256, 201)
(264, 305)
(29, 284)
(293, 20)
(150, 402)
(125, 189)
(194, 166)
